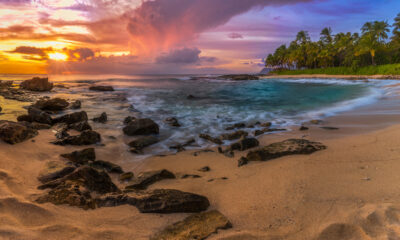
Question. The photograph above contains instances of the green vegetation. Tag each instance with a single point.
(368, 53)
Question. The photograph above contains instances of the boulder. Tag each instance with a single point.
(80, 126)
(36, 125)
(87, 137)
(5, 84)
(72, 118)
(128, 119)
(81, 157)
(284, 148)
(51, 104)
(76, 104)
(37, 84)
(39, 116)
(101, 88)
(181, 146)
(145, 179)
(235, 126)
(1, 109)
(106, 166)
(266, 124)
(244, 144)
(101, 119)
(171, 201)
(142, 142)
(172, 122)
(258, 133)
(211, 139)
(54, 170)
(234, 135)
(144, 126)
(25, 118)
(242, 161)
(196, 226)
(12, 132)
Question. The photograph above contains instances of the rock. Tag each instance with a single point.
(330, 128)
(80, 126)
(190, 97)
(5, 84)
(266, 124)
(62, 133)
(142, 142)
(87, 137)
(37, 126)
(190, 176)
(181, 146)
(144, 126)
(242, 161)
(258, 132)
(39, 116)
(107, 166)
(13, 132)
(239, 77)
(128, 119)
(81, 157)
(316, 122)
(1, 109)
(233, 136)
(244, 144)
(37, 84)
(145, 179)
(25, 118)
(171, 201)
(205, 169)
(303, 128)
(54, 170)
(126, 176)
(265, 130)
(113, 200)
(211, 139)
(101, 119)
(172, 122)
(202, 151)
(197, 226)
(52, 104)
(287, 147)
(235, 126)
(101, 88)
(90, 178)
(76, 104)
(72, 118)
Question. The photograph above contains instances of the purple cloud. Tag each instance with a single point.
(180, 56)
(235, 35)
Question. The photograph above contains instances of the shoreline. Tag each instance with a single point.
(326, 76)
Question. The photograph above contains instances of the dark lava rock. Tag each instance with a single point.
(128, 119)
(37, 126)
(101, 88)
(330, 128)
(52, 104)
(143, 126)
(181, 146)
(287, 147)
(5, 84)
(145, 179)
(190, 176)
(172, 122)
(197, 226)
(76, 104)
(142, 142)
(72, 118)
(266, 124)
(171, 201)
(87, 137)
(233, 136)
(13, 132)
(258, 132)
(37, 84)
(235, 126)
(107, 166)
(242, 161)
(39, 116)
(81, 157)
(240, 77)
(101, 119)
(205, 169)
(126, 176)
(303, 128)
(1, 109)
(54, 170)
(211, 139)
(93, 180)
(25, 118)
(80, 126)
(244, 144)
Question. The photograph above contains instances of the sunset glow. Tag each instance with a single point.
(58, 56)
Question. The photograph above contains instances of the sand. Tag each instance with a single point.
(349, 191)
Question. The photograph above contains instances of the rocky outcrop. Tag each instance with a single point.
(144, 179)
(81, 157)
(5, 84)
(143, 126)
(37, 84)
(37, 126)
(126, 176)
(128, 119)
(181, 146)
(101, 88)
(235, 126)
(37, 115)
(287, 147)
(12, 132)
(106, 166)
(234, 135)
(101, 119)
(197, 226)
(172, 122)
(239, 77)
(87, 137)
(244, 144)
(211, 139)
(72, 118)
(80, 126)
(54, 170)
(137, 145)
(51, 104)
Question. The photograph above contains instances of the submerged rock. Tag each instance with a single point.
(12, 132)
(172, 122)
(37, 84)
(142, 142)
(181, 146)
(81, 157)
(197, 226)
(235, 126)
(287, 147)
(145, 179)
(37, 115)
(101, 88)
(76, 104)
(234, 135)
(101, 119)
(87, 137)
(143, 126)
(107, 166)
(72, 118)
(51, 104)
(54, 170)
(211, 139)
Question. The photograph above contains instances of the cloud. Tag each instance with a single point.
(39, 53)
(235, 35)
(17, 29)
(79, 54)
(180, 56)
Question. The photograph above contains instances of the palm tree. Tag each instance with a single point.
(302, 37)
(396, 30)
(374, 34)
(326, 36)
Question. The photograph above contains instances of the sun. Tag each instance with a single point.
(58, 56)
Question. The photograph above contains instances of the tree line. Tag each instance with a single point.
(370, 47)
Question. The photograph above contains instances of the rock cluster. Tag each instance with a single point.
(37, 84)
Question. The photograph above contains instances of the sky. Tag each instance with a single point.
(129, 37)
